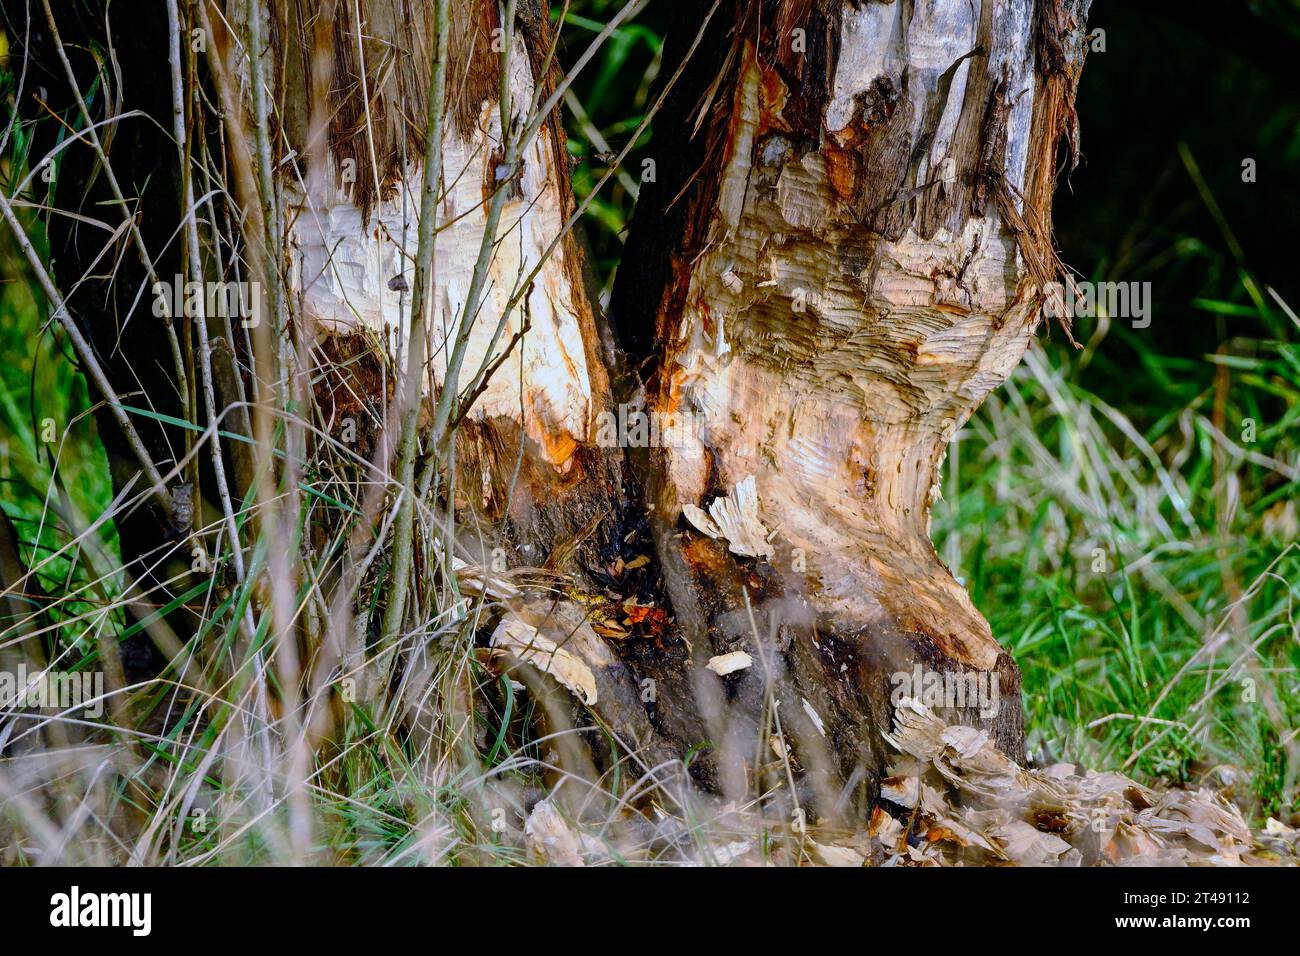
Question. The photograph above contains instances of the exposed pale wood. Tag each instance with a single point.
(858, 260)
(351, 234)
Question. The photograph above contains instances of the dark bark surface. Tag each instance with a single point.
(113, 301)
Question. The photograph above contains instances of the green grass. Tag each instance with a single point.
(1142, 563)
(52, 465)
(608, 104)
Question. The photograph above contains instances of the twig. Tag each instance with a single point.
(196, 275)
(421, 302)
(442, 416)
(265, 178)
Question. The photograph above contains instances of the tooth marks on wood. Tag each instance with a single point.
(874, 282)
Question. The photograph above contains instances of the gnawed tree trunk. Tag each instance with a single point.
(862, 245)
(843, 251)
(533, 488)
(350, 244)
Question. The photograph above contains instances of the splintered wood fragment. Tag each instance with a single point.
(831, 855)
(516, 636)
(778, 746)
(814, 717)
(550, 839)
(976, 805)
(476, 580)
(724, 664)
(735, 518)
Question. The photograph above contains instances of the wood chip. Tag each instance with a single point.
(516, 636)
(725, 664)
(735, 518)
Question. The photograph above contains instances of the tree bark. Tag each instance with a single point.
(350, 241)
(843, 249)
(107, 288)
(536, 496)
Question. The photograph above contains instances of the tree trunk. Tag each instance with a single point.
(843, 248)
(536, 497)
(852, 254)
(350, 240)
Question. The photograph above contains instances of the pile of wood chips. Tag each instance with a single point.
(953, 799)
(970, 804)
